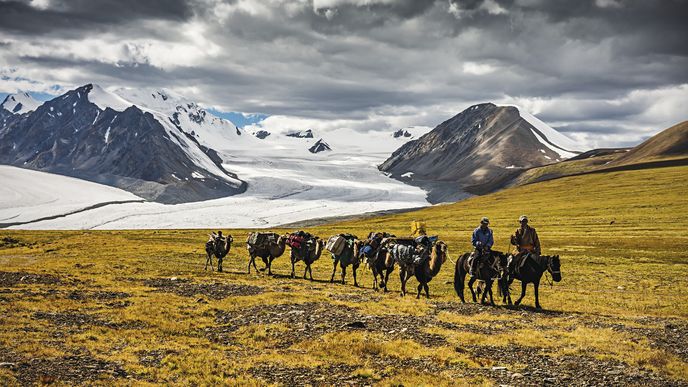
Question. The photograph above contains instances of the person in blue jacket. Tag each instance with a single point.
(482, 241)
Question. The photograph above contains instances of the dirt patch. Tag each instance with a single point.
(671, 336)
(73, 369)
(215, 291)
(333, 375)
(19, 278)
(9, 242)
(309, 321)
(81, 320)
(539, 368)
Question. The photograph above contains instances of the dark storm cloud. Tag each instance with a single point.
(83, 15)
(592, 66)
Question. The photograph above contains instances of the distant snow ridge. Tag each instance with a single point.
(20, 103)
(319, 146)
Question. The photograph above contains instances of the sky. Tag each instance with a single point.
(605, 72)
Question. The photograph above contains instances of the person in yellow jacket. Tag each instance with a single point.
(525, 239)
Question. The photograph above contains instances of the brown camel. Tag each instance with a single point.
(431, 267)
(268, 251)
(348, 256)
(408, 257)
(309, 253)
(215, 246)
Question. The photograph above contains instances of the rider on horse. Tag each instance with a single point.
(482, 241)
(526, 241)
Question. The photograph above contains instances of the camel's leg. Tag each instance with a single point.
(219, 265)
(354, 268)
(206, 261)
(212, 268)
(523, 293)
(402, 277)
(536, 285)
(334, 269)
(491, 299)
(305, 271)
(427, 290)
(470, 286)
(420, 289)
(388, 271)
(292, 268)
(310, 272)
(251, 259)
(270, 258)
(343, 275)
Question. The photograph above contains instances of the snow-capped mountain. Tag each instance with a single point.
(100, 136)
(19, 103)
(477, 151)
(164, 147)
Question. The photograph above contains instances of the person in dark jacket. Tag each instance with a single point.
(482, 241)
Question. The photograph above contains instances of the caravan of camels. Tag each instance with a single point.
(421, 256)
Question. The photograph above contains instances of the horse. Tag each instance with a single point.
(531, 272)
(486, 273)
(431, 267)
(215, 247)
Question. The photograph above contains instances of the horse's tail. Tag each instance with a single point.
(458, 275)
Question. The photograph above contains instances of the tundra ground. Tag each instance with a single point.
(136, 307)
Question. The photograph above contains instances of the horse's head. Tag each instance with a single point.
(554, 267)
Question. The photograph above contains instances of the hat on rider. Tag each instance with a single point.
(484, 220)
(523, 218)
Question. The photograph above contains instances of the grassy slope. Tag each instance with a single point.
(670, 144)
(564, 168)
(622, 283)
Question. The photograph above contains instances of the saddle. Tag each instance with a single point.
(517, 261)
(487, 260)
(259, 239)
(407, 255)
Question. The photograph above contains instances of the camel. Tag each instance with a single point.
(349, 256)
(431, 267)
(214, 246)
(308, 254)
(408, 258)
(268, 251)
(375, 258)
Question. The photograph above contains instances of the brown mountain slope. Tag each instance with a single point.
(671, 143)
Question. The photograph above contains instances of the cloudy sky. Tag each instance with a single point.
(607, 72)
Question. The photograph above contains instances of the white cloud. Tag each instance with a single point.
(478, 68)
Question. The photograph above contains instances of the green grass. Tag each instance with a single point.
(622, 238)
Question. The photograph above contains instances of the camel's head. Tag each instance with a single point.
(442, 250)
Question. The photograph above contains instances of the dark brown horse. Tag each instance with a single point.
(531, 272)
(492, 267)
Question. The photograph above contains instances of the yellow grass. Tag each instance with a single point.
(622, 238)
